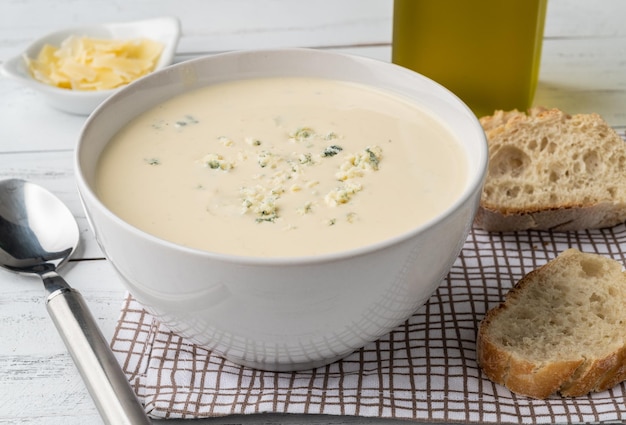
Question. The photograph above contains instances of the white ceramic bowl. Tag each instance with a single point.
(165, 30)
(283, 313)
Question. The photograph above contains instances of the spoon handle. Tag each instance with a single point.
(115, 399)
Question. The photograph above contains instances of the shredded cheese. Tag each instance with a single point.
(84, 63)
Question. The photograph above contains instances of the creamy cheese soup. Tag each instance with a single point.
(281, 167)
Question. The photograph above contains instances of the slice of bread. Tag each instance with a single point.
(551, 170)
(562, 329)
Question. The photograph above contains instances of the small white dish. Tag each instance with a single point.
(165, 30)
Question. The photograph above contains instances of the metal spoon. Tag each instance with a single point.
(38, 234)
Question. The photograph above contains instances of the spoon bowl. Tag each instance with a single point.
(29, 244)
(37, 235)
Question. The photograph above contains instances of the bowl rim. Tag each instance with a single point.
(473, 184)
(15, 67)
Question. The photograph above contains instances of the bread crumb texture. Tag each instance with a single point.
(547, 160)
(562, 328)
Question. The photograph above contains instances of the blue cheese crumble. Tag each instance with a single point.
(281, 173)
(217, 162)
(356, 165)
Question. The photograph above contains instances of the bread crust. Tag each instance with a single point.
(587, 378)
(571, 377)
(564, 219)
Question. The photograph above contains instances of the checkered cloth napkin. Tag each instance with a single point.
(425, 370)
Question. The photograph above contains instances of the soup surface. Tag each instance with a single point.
(281, 167)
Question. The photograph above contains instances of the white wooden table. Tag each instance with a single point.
(583, 70)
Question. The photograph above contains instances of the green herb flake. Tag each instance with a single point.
(187, 120)
(264, 158)
(253, 142)
(302, 134)
(305, 158)
(374, 158)
(269, 218)
(331, 150)
(152, 161)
